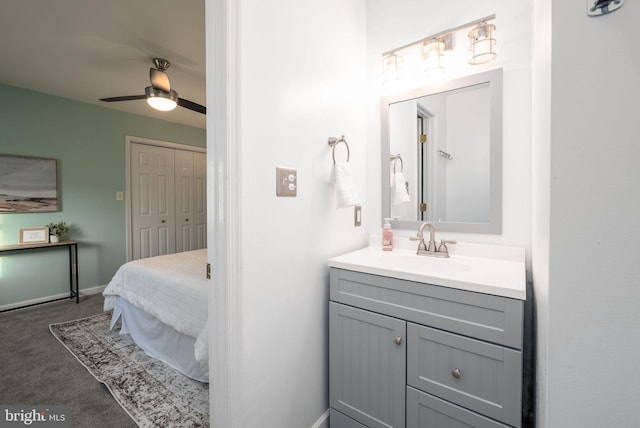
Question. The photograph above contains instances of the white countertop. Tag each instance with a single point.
(491, 269)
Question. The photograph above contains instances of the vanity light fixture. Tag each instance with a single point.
(391, 68)
(433, 47)
(161, 100)
(433, 56)
(482, 43)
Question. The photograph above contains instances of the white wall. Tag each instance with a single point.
(587, 275)
(394, 24)
(298, 77)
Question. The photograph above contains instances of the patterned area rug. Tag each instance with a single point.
(151, 392)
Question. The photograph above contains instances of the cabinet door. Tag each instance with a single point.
(367, 366)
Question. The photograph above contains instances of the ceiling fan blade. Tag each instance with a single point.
(192, 106)
(159, 80)
(124, 98)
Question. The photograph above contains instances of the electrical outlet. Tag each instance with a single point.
(119, 196)
(286, 182)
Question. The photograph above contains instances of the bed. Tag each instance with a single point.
(161, 303)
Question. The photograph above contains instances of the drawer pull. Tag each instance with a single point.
(456, 373)
(398, 340)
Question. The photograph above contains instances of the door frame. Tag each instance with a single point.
(128, 140)
(426, 154)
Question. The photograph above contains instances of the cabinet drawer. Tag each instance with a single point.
(492, 318)
(479, 376)
(427, 411)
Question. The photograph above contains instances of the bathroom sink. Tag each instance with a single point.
(424, 264)
(497, 270)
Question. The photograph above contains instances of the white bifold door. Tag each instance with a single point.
(191, 202)
(168, 200)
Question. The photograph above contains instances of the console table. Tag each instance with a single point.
(73, 266)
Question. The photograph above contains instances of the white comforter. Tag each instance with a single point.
(173, 288)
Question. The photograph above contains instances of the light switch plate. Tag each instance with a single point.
(357, 215)
(286, 181)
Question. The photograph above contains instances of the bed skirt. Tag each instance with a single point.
(159, 340)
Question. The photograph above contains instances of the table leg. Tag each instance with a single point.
(75, 247)
(73, 272)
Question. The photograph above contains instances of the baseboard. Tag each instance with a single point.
(323, 421)
(93, 290)
(31, 302)
(25, 303)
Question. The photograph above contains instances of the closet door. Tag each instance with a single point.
(152, 201)
(191, 215)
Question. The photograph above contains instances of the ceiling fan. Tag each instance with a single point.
(160, 95)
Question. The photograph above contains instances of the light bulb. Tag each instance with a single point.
(161, 100)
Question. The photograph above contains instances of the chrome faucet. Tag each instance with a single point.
(430, 249)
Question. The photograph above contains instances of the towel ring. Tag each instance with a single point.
(333, 142)
(394, 159)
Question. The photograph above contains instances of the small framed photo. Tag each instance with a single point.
(34, 235)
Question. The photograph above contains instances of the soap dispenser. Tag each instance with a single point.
(387, 235)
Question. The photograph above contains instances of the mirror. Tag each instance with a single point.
(442, 155)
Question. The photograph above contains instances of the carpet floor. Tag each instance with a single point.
(36, 370)
(154, 394)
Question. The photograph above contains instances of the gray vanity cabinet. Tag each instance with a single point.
(407, 354)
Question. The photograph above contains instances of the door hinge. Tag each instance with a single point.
(208, 270)
(423, 138)
(423, 207)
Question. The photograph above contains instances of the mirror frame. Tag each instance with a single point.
(494, 78)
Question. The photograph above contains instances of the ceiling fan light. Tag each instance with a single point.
(161, 100)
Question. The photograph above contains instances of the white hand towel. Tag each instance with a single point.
(400, 194)
(346, 194)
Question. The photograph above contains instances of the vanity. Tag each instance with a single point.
(434, 339)
(419, 341)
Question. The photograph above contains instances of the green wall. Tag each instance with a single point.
(88, 141)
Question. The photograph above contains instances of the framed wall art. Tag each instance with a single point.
(28, 184)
